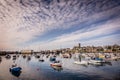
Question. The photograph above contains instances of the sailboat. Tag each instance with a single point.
(82, 62)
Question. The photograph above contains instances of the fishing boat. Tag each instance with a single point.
(57, 68)
(81, 62)
(56, 63)
(96, 61)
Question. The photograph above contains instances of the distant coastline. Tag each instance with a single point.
(76, 49)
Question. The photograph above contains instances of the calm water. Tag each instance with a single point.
(35, 70)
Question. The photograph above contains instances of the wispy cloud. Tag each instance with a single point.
(22, 21)
(104, 34)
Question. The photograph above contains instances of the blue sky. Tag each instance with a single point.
(54, 24)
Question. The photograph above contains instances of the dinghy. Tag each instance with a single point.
(56, 63)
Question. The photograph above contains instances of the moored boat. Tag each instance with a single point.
(15, 69)
(56, 63)
(57, 68)
(52, 58)
(41, 60)
(81, 62)
(8, 56)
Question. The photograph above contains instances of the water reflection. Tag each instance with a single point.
(16, 74)
(101, 64)
(28, 58)
(0, 59)
(34, 69)
(57, 68)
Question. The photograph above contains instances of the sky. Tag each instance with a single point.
(55, 24)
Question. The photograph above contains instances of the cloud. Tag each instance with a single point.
(103, 34)
(22, 20)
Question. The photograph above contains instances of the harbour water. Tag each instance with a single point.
(33, 69)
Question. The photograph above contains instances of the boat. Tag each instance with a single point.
(81, 62)
(8, 56)
(66, 55)
(14, 65)
(96, 61)
(37, 56)
(41, 60)
(52, 58)
(14, 56)
(57, 68)
(15, 69)
(56, 63)
(24, 56)
(28, 58)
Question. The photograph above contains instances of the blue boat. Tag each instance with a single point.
(15, 69)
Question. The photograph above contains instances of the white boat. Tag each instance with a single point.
(81, 62)
(95, 61)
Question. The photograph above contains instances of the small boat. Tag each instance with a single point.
(15, 69)
(66, 55)
(14, 65)
(8, 56)
(81, 62)
(37, 56)
(14, 56)
(57, 68)
(56, 63)
(52, 59)
(28, 58)
(24, 56)
(41, 60)
(94, 61)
